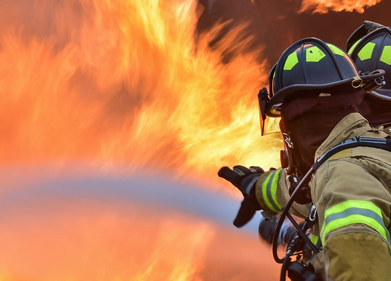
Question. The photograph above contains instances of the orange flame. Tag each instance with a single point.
(126, 82)
(324, 6)
(121, 83)
(171, 260)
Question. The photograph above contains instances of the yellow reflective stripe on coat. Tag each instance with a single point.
(269, 191)
(353, 212)
(314, 239)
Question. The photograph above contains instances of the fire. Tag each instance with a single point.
(324, 6)
(120, 84)
(129, 83)
(174, 260)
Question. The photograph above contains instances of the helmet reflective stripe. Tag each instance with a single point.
(336, 50)
(290, 62)
(269, 191)
(314, 54)
(352, 48)
(386, 55)
(366, 52)
(354, 212)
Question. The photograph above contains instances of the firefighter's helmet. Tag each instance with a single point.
(373, 51)
(311, 67)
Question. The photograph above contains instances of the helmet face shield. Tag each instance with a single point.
(271, 126)
(271, 76)
(268, 125)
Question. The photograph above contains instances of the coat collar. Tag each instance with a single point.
(352, 125)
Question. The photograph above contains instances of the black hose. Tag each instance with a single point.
(284, 268)
(284, 214)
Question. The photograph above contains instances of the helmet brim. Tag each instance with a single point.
(382, 94)
(273, 107)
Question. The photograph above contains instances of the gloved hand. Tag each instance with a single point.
(244, 179)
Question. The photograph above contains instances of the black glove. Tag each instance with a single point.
(244, 179)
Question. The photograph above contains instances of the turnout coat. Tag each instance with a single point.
(352, 194)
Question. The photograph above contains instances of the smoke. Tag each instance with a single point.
(277, 24)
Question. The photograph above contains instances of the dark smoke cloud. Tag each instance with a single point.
(277, 24)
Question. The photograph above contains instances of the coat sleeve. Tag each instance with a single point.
(272, 192)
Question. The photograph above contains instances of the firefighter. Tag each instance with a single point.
(315, 88)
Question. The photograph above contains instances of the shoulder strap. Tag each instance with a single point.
(382, 143)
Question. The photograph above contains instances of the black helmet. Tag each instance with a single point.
(310, 67)
(373, 51)
(361, 31)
